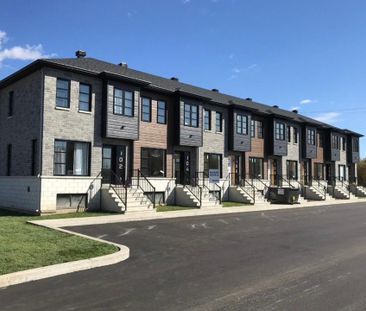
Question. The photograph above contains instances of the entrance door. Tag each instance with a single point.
(274, 172)
(342, 172)
(113, 164)
(182, 164)
(235, 170)
(306, 171)
(328, 173)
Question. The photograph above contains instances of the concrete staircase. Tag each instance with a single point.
(358, 191)
(339, 192)
(189, 196)
(313, 193)
(241, 194)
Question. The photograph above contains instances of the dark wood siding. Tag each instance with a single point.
(309, 151)
(331, 154)
(239, 142)
(188, 135)
(119, 126)
(279, 147)
(352, 156)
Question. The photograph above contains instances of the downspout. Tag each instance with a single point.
(40, 148)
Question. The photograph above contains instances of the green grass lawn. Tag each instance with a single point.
(25, 246)
(233, 204)
(170, 208)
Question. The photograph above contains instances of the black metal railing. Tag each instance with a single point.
(143, 183)
(195, 189)
(119, 186)
(280, 181)
(319, 187)
(342, 183)
(262, 187)
(203, 180)
(90, 193)
(242, 184)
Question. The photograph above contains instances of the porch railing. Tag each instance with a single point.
(203, 179)
(119, 186)
(319, 187)
(280, 181)
(144, 184)
(89, 192)
(195, 189)
(242, 184)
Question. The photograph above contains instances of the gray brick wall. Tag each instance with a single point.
(24, 126)
(70, 124)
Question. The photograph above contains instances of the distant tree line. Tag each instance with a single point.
(361, 172)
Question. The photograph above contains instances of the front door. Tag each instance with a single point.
(306, 172)
(328, 173)
(182, 167)
(113, 164)
(274, 172)
(235, 169)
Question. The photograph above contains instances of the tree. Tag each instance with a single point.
(361, 172)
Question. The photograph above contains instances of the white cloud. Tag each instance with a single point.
(328, 117)
(236, 70)
(307, 101)
(186, 1)
(27, 52)
(252, 66)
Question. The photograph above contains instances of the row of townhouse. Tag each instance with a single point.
(81, 132)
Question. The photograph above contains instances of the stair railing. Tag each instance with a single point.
(89, 191)
(120, 189)
(243, 183)
(195, 189)
(144, 184)
(206, 184)
(319, 187)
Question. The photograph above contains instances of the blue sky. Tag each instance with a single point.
(305, 54)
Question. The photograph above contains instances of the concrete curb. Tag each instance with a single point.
(67, 267)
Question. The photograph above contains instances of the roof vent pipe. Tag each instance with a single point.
(80, 54)
(124, 65)
(275, 106)
(295, 111)
(249, 99)
(174, 79)
(215, 90)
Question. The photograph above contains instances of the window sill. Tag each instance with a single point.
(85, 112)
(208, 131)
(62, 108)
(220, 133)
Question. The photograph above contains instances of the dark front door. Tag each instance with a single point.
(182, 164)
(113, 164)
(274, 173)
(328, 173)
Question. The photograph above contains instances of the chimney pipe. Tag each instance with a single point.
(249, 99)
(123, 64)
(215, 90)
(174, 79)
(80, 54)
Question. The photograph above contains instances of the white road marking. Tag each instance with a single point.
(223, 221)
(151, 227)
(102, 236)
(237, 218)
(268, 217)
(128, 231)
(203, 225)
(311, 288)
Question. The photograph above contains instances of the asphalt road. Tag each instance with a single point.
(298, 259)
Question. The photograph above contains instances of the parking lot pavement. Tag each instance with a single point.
(301, 259)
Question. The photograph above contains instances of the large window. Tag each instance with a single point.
(256, 168)
(242, 124)
(295, 134)
(123, 102)
(63, 93)
(190, 115)
(252, 128)
(146, 109)
(162, 111)
(11, 104)
(319, 171)
(84, 97)
(343, 143)
(288, 133)
(153, 162)
(291, 170)
(311, 137)
(260, 129)
(71, 158)
(207, 119)
(355, 145)
(280, 131)
(212, 161)
(341, 172)
(218, 121)
(335, 142)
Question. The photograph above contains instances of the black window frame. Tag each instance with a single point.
(207, 119)
(316, 175)
(280, 131)
(189, 121)
(252, 161)
(311, 137)
(144, 106)
(288, 163)
(68, 93)
(148, 158)
(241, 119)
(89, 97)
(295, 135)
(205, 163)
(343, 143)
(159, 115)
(252, 128)
(260, 129)
(355, 145)
(68, 157)
(218, 122)
(288, 133)
(123, 102)
(11, 104)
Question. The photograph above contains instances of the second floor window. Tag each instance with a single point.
(84, 97)
(252, 128)
(296, 135)
(146, 109)
(162, 112)
(242, 124)
(207, 117)
(11, 104)
(320, 140)
(343, 143)
(280, 131)
(355, 146)
(289, 134)
(190, 115)
(218, 122)
(311, 137)
(260, 129)
(123, 102)
(63, 93)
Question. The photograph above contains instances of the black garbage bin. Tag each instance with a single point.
(283, 195)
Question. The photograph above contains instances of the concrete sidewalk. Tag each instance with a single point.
(151, 215)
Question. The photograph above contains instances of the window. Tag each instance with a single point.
(252, 128)
(319, 171)
(207, 117)
(289, 134)
(355, 145)
(343, 143)
(260, 129)
(153, 162)
(63, 93)
(311, 137)
(9, 151)
(280, 131)
(256, 168)
(146, 109)
(218, 121)
(34, 157)
(212, 161)
(11, 104)
(341, 172)
(190, 115)
(64, 201)
(296, 135)
(335, 142)
(123, 102)
(162, 112)
(84, 97)
(242, 124)
(320, 140)
(71, 158)
(291, 170)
